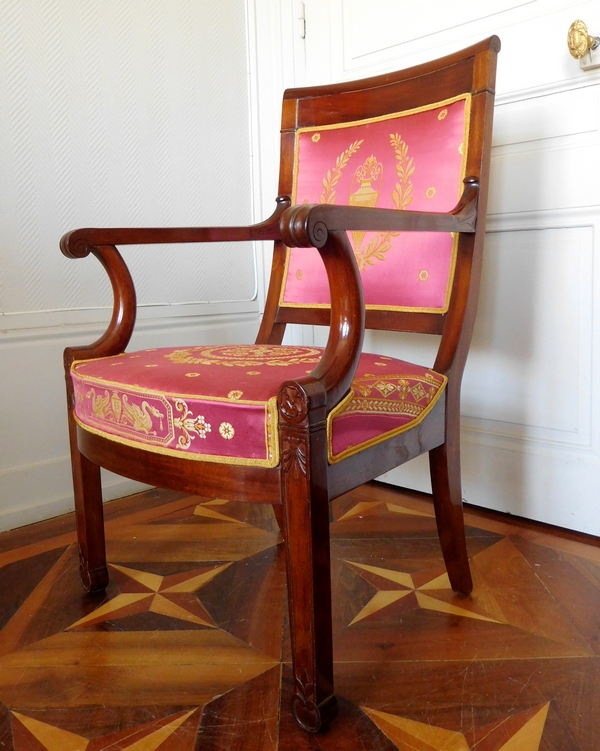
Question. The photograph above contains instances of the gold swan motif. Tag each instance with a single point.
(101, 405)
(139, 418)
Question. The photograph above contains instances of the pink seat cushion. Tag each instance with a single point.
(218, 403)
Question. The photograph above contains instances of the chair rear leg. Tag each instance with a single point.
(444, 464)
(87, 490)
(306, 532)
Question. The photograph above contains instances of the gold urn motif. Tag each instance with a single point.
(371, 171)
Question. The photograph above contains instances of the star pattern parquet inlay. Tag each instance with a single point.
(188, 649)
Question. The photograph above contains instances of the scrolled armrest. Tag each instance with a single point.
(79, 243)
(307, 225)
(102, 243)
(336, 368)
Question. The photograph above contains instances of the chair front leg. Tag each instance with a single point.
(306, 531)
(87, 489)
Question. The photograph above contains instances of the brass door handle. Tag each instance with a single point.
(580, 41)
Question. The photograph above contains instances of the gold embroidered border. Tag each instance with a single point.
(272, 445)
(406, 113)
(351, 450)
(271, 436)
(131, 431)
(386, 407)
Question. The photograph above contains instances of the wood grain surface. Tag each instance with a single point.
(189, 649)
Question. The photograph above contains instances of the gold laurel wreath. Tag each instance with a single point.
(402, 195)
(332, 177)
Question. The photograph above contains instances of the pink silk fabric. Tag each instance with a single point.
(407, 161)
(219, 403)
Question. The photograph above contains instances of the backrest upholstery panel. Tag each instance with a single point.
(428, 285)
(414, 159)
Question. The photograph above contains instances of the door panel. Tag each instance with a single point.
(531, 394)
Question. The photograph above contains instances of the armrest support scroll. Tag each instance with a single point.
(118, 333)
(101, 243)
(324, 226)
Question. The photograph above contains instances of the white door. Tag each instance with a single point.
(531, 393)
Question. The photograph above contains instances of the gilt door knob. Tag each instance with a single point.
(579, 40)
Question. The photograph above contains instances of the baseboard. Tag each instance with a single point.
(32, 501)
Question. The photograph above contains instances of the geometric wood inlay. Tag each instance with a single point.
(522, 732)
(417, 735)
(188, 648)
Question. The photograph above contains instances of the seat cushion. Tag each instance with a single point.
(219, 403)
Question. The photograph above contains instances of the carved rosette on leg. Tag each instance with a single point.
(303, 443)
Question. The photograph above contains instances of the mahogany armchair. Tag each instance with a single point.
(379, 224)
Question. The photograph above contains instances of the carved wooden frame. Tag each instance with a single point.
(302, 486)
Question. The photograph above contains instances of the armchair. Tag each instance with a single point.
(379, 224)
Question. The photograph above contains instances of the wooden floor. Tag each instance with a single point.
(188, 649)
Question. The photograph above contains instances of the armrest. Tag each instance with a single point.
(101, 243)
(79, 242)
(307, 225)
(324, 227)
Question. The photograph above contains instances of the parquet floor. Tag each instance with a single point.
(187, 649)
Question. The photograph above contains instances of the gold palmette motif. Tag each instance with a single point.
(390, 395)
(189, 424)
(245, 356)
(371, 171)
(405, 168)
(424, 389)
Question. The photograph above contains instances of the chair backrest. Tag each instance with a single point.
(403, 140)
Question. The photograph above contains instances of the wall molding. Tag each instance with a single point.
(560, 218)
(87, 324)
(548, 89)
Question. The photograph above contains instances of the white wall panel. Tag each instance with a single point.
(566, 113)
(529, 368)
(382, 35)
(113, 113)
(382, 27)
(121, 113)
